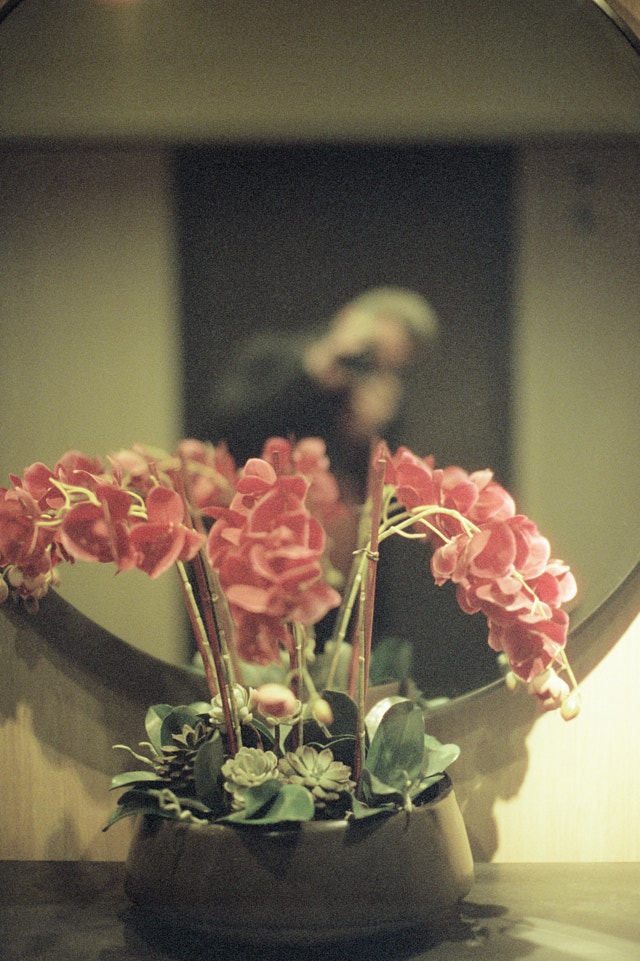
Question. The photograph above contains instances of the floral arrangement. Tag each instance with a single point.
(249, 546)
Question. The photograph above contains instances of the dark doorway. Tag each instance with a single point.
(282, 236)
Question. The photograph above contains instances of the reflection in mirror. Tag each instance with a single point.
(273, 242)
(92, 290)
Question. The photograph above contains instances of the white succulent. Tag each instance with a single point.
(244, 702)
(325, 777)
(248, 768)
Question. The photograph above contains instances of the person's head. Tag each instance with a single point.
(389, 324)
(370, 344)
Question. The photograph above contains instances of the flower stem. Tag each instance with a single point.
(345, 612)
(372, 563)
(198, 628)
(367, 601)
(360, 749)
(208, 594)
(569, 670)
(298, 634)
(355, 650)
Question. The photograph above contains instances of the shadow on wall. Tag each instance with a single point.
(69, 691)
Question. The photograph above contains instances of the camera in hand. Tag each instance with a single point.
(362, 363)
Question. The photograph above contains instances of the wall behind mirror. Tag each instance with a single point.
(97, 98)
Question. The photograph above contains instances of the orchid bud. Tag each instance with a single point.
(15, 576)
(511, 681)
(276, 701)
(571, 706)
(549, 690)
(322, 711)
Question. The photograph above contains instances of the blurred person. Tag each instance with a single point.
(346, 385)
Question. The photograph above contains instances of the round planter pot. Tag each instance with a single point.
(317, 881)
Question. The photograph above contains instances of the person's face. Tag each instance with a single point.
(375, 394)
(392, 344)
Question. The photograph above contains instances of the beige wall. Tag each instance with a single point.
(577, 355)
(580, 781)
(89, 341)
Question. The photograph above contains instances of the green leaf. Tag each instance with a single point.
(377, 712)
(130, 810)
(153, 722)
(391, 660)
(174, 721)
(397, 749)
(266, 735)
(423, 787)
(135, 801)
(344, 725)
(206, 771)
(201, 708)
(287, 802)
(259, 797)
(140, 793)
(375, 792)
(189, 803)
(437, 757)
(312, 733)
(345, 713)
(360, 810)
(132, 777)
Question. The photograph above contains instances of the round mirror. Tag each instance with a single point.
(157, 161)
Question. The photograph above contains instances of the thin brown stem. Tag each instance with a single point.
(377, 485)
(198, 628)
(207, 601)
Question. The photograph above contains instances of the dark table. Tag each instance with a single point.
(77, 911)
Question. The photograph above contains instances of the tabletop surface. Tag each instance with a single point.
(64, 910)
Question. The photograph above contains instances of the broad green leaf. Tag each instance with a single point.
(437, 757)
(377, 712)
(139, 802)
(424, 787)
(266, 734)
(132, 777)
(175, 721)
(190, 804)
(201, 708)
(134, 801)
(397, 748)
(261, 796)
(345, 713)
(293, 803)
(206, 771)
(375, 792)
(360, 810)
(153, 723)
(312, 733)
(391, 660)
(142, 793)
(342, 748)
(289, 803)
(130, 810)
